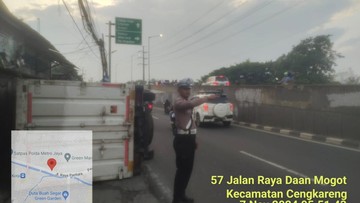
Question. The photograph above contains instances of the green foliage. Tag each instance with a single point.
(353, 80)
(246, 72)
(311, 61)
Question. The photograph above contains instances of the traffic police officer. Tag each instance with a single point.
(185, 138)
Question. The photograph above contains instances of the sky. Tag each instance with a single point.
(198, 35)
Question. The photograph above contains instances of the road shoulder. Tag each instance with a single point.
(303, 135)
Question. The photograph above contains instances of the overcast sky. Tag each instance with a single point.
(199, 35)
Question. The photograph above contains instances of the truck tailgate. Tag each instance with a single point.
(106, 109)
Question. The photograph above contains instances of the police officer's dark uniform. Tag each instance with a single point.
(184, 142)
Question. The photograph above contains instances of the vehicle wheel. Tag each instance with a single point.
(198, 122)
(227, 123)
(148, 129)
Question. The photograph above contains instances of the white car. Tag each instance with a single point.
(219, 110)
(217, 81)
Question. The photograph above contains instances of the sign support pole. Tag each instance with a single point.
(109, 53)
(143, 64)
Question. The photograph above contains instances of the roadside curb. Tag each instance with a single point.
(303, 135)
(161, 192)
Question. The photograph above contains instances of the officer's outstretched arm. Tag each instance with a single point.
(186, 104)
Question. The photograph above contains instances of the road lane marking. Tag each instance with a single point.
(280, 167)
(301, 139)
(274, 164)
(155, 117)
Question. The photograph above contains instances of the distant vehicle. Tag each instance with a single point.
(219, 110)
(217, 81)
(167, 106)
(172, 121)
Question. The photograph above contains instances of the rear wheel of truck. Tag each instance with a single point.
(149, 128)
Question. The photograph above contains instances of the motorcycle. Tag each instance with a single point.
(167, 107)
(172, 122)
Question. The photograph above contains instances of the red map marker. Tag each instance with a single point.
(51, 163)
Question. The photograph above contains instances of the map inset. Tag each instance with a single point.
(51, 166)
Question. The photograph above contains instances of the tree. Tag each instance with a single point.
(353, 80)
(312, 60)
(246, 72)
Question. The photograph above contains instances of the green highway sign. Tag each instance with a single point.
(128, 31)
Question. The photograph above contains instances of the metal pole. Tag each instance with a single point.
(143, 63)
(38, 21)
(149, 62)
(110, 51)
(132, 57)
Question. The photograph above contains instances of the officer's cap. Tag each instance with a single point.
(185, 83)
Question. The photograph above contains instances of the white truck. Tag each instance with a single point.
(111, 111)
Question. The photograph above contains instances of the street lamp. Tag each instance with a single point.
(153, 36)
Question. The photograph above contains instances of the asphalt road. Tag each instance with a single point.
(250, 153)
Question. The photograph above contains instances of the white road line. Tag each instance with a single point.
(274, 164)
(155, 117)
(296, 138)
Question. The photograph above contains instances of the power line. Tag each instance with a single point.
(202, 29)
(65, 44)
(79, 50)
(242, 30)
(89, 26)
(95, 22)
(67, 8)
(277, 41)
(243, 17)
(196, 20)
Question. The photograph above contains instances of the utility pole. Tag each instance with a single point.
(132, 67)
(89, 26)
(143, 54)
(38, 25)
(149, 62)
(143, 61)
(160, 35)
(131, 76)
(109, 53)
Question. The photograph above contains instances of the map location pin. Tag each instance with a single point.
(65, 194)
(67, 156)
(51, 163)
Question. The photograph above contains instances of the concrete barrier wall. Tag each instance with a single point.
(323, 109)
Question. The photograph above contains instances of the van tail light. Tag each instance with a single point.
(215, 83)
(231, 107)
(227, 83)
(206, 107)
